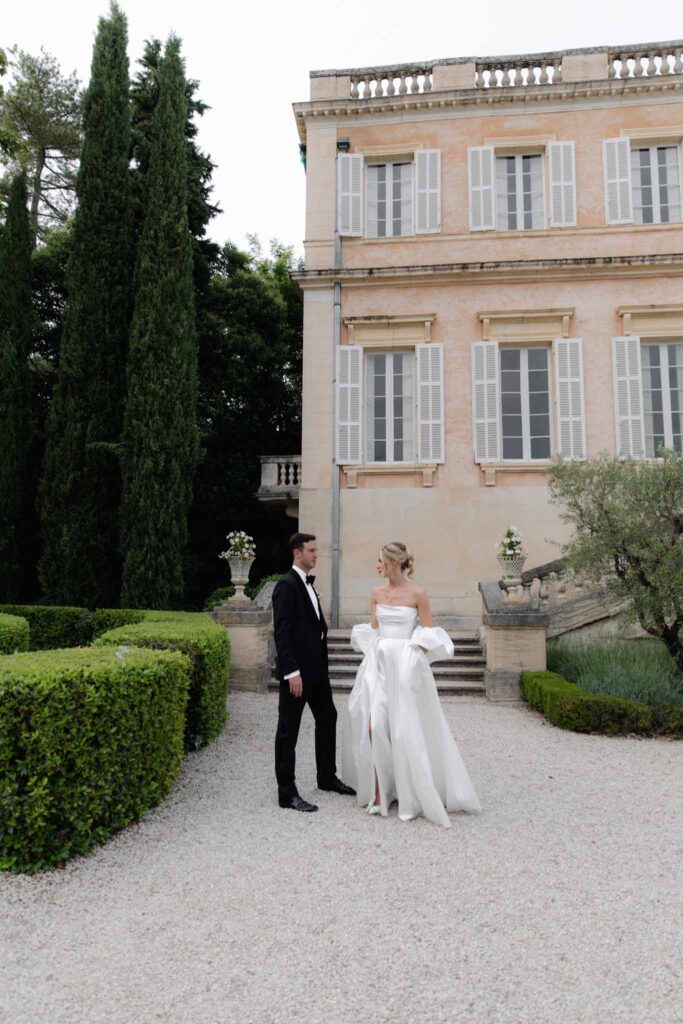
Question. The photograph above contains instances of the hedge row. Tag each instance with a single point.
(90, 739)
(193, 633)
(14, 634)
(208, 648)
(568, 706)
(96, 729)
(53, 626)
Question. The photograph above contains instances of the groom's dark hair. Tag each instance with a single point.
(297, 541)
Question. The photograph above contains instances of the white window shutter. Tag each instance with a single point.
(618, 193)
(350, 193)
(430, 403)
(562, 184)
(427, 191)
(570, 398)
(482, 188)
(485, 401)
(628, 397)
(349, 404)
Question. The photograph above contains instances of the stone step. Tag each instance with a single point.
(458, 645)
(460, 675)
(344, 636)
(440, 669)
(447, 688)
(350, 657)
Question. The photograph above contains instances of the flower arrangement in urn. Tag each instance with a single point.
(239, 556)
(511, 555)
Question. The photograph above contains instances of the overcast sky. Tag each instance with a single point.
(252, 61)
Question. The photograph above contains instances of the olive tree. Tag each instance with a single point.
(628, 531)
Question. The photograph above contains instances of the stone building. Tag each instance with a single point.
(494, 251)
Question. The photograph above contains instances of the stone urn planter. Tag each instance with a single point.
(239, 575)
(512, 566)
(239, 555)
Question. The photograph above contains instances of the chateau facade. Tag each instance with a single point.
(494, 261)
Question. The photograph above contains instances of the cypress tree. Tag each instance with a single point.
(81, 482)
(160, 438)
(15, 390)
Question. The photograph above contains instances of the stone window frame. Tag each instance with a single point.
(527, 327)
(401, 331)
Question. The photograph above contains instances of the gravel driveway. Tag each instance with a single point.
(558, 904)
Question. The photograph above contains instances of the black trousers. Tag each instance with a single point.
(318, 696)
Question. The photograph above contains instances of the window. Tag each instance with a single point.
(656, 185)
(390, 407)
(525, 403)
(390, 200)
(512, 413)
(507, 191)
(642, 182)
(519, 192)
(662, 377)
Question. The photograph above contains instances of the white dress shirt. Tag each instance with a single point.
(314, 602)
(309, 588)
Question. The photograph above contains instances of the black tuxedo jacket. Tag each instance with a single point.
(300, 636)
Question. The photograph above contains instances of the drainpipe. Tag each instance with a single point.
(342, 147)
(336, 495)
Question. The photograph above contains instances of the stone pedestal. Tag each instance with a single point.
(250, 629)
(515, 642)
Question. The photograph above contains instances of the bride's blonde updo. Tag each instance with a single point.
(397, 552)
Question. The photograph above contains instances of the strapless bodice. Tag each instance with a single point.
(396, 622)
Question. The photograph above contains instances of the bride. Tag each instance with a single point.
(397, 743)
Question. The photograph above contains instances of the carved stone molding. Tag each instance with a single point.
(652, 321)
(525, 324)
(389, 330)
(426, 470)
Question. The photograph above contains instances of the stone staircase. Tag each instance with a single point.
(461, 675)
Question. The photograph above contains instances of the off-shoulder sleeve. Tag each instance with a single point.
(436, 641)
(363, 637)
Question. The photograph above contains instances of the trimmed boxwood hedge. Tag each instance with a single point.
(52, 626)
(14, 634)
(570, 707)
(90, 739)
(207, 645)
(105, 619)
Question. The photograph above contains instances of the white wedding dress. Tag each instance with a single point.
(411, 752)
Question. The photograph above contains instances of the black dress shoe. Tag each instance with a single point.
(297, 804)
(337, 786)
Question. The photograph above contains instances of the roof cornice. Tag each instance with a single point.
(420, 103)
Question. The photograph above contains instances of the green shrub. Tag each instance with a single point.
(570, 707)
(90, 739)
(105, 619)
(14, 634)
(218, 597)
(223, 593)
(640, 670)
(53, 626)
(208, 648)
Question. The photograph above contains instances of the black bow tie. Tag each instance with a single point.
(310, 580)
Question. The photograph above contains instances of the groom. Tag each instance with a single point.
(301, 644)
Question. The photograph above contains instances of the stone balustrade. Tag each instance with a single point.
(504, 72)
(280, 481)
(646, 62)
(518, 71)
(404, 80)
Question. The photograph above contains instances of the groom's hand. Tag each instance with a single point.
(296, 686)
